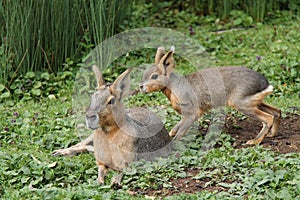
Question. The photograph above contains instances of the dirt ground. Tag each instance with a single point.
(287, 140)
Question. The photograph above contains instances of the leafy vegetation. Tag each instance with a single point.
(37, 117)
(251, 172)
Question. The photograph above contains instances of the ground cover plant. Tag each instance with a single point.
(39, 118)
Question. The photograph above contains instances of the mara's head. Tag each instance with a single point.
(106, 107)
(157, 76)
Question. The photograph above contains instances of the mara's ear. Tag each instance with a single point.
(167, 63)
(159, 54)
(99, 77)
(121, 85)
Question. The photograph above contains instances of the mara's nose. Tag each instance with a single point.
(92, 121)
(92, 117)
(141, 87)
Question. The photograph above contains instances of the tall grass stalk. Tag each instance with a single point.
(41, 35)
(222, 8)
(102, 19)
(257, 8)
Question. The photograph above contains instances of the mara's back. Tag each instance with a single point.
(231, 79)
(247, 81)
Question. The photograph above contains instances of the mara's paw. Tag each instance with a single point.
(172, 133)
(100, 181)
(253, 142)
(62, 152)
(270, 135)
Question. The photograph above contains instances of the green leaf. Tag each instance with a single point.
(285, 194)
(13, 180)
(25, 180)
(247, 21)
(263, 181)
(2, 87)
(90, 171)
(38, 180)
(37, 84)
(36, 92)
(26, 120)
(30, 74)
(167, 185)
(45, 76)
(14, 86)
(297, 187)
(5, 95)
(18, 91)
(65, 74)
(238, 21)
(130, 171)
(181, 175)
(48, 174)
(225, 185)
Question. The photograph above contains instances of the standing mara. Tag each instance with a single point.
(238, 87)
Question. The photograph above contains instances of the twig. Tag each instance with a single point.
(49, 66)
(15, 72)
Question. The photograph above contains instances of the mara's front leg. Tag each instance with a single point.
(83, 146)
(102, 171)
(174, 130)
(183, 126)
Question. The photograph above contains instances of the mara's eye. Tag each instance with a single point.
(154, 76)
(112, 101)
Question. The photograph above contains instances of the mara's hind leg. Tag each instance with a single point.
(264, 117)
(276, 114)
(253, 107)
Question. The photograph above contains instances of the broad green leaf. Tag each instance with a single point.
(18, 91)
(36, 181)
(90, 171)
(30, 74)
(36, 92)
(65, 74)
(181, 174)
(5, 95)
(45, 76)
(14, 86)
(37, 84)
(25, 179)
(238, 21)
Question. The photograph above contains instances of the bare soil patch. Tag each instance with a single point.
(287, 140)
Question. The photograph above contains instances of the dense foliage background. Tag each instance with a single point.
(43, 35)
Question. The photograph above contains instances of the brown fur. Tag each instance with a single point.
(238, 87)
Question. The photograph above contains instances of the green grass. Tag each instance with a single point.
(250, 172)
(32, 126)
(29, 171)
(43, 35)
